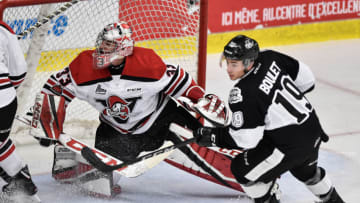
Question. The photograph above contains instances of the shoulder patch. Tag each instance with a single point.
(235, 95)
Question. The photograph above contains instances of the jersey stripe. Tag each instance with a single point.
(247, 138)
(178, 80)
(6, 149)
(17, 80)
(181, 85)
(174, 77)
(263, 167)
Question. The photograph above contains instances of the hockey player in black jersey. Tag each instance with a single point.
(272, 122)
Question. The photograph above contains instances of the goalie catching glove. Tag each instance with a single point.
(213, 109)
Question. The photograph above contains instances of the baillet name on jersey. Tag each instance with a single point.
(270, 78)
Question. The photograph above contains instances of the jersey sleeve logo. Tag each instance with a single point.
(170, 70)
(235, 95)
(237, 119)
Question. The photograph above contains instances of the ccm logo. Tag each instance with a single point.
(36, 115)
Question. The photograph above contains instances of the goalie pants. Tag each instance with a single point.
(127, 147)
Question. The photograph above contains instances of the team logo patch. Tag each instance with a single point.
(100, 90)
(117, 108)
(235, 95)
(249, 43)
(237, 119)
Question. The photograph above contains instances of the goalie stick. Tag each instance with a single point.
(95, 161)
(129, 171)
(48, 18)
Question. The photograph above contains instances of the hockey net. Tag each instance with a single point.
(170, 27)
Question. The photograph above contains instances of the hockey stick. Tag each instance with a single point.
(94, 160)
(48, 18)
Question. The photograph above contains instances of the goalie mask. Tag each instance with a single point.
(114, 42)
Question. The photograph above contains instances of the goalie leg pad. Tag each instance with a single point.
(67, 169)
(64, 166)
(49, 111)
(96, 183)
(205, 163)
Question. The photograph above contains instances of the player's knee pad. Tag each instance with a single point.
(319, 184)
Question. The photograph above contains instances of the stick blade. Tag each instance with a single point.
(91, 157)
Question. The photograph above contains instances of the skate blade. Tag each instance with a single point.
(35, 198)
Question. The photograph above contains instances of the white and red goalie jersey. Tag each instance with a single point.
(131, 102)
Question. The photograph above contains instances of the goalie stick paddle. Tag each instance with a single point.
(48, 18)
(94, 160)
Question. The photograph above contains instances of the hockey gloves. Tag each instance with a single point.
(213, 109)
(187, 103)
(205, 137)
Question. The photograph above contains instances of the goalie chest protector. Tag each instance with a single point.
(143, 63)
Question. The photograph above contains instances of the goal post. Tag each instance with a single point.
(175, 29)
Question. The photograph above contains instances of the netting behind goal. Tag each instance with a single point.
(170, 27)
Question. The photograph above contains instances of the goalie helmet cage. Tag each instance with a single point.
(175, 29)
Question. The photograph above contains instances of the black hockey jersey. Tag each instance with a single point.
(269, 101)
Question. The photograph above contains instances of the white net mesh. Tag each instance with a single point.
(170, 27)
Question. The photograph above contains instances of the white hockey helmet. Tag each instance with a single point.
(113, 42)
